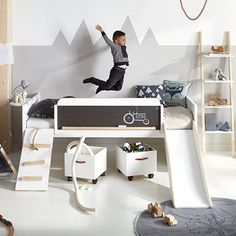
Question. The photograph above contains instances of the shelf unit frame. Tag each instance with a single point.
(228, 57)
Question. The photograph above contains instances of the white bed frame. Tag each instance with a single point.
(105, 133)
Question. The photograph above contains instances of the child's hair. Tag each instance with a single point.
(117, 34)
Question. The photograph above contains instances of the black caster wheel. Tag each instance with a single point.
(103, 174)
(150, 176)
(94, 181)
(130, 178)
(69, 179)
(119, 171)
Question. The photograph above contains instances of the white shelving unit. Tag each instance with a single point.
(207, 56)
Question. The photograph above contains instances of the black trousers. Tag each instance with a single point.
(114, 82)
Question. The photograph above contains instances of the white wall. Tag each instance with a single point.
(37, 22)
(56, 46)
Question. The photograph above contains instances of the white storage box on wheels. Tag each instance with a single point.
(90, 165)
(136, 163)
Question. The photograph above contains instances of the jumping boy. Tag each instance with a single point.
(120, 59)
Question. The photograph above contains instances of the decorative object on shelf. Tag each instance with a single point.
(8, 224)
(217, 49)
(223, 126)
(5, 162)
(219, 75)
(187, 15)
(169, 220)
(216, 100)
(155, 210)
(210, 121)
(20, 97)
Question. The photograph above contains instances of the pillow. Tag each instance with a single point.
(151, 91)
(176, 92)
(43, 109)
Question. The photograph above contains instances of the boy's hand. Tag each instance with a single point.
(99, 28)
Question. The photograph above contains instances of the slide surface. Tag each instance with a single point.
(186, 173)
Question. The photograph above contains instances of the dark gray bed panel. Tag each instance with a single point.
(109, 116)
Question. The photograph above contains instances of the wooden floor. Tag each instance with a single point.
(117, 200)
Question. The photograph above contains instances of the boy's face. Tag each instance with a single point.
(121, 40)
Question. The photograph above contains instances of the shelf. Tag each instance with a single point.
(218, 81)
(218, 107)
(215, 55)
(218, 132)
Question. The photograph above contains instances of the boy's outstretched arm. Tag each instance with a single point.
(110, 43)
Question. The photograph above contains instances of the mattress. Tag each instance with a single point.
(174, 118)
(178, 118)
(40, 123)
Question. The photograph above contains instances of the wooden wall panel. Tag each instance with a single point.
(5, 76)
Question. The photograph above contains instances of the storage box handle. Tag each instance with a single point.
(80, 162)
(141, 159)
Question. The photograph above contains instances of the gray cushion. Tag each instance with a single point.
(176, 92)
(151, 91)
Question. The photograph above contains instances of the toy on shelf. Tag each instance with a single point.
(217, 49)
(219, 75)
(136, 147)
(8, 224)
(223, 126)
(155, 210)
(169, 220)
(216, 100)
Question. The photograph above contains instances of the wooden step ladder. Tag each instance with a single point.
(34, 168)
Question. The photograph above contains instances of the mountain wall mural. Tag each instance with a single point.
(58, 70)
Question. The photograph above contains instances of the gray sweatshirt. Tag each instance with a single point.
(120, 56)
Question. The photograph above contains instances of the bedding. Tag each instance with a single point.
(178, 118)
(40, 123)
(151, 91)
(176, 92)
(43, 109)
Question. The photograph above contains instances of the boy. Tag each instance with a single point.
(120, 59)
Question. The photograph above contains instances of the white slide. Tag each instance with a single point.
(186, 173)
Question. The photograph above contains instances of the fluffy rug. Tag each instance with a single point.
(218, 221)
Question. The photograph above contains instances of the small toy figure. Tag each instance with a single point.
(219, 75)
(169, 220)
(223, 126)
(155, 210)
(120, 59)
(216, 99)
(217, 49)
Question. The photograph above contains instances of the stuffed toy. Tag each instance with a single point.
(169, 220)
(216, 99)
(155, 210)
(219, 75)
(217, 49)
